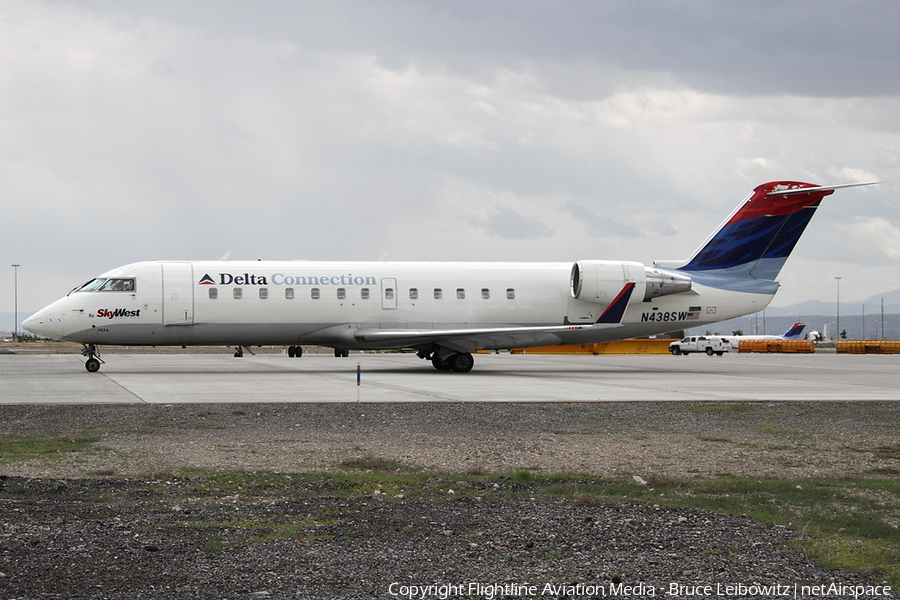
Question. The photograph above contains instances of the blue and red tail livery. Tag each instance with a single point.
(758, 237)
(794, 332)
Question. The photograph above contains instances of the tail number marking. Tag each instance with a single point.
(665, 316)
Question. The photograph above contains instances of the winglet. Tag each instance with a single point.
(616, 309)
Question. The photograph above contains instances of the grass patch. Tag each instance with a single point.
(847, 523)
(375, 463)
(843, 523)
(248, 531)
(16, 448)
(886, 452)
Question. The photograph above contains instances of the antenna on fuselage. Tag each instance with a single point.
(225, 256)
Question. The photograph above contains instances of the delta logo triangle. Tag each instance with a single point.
(207, 280)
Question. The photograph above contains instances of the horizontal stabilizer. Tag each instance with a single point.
(820, 188)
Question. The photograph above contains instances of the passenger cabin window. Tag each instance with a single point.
(341, 293)
(364, 293)
(314, 293)
(510, 294)
(263, 293)
(213, 293)
(438, 294)
(486, 293)
(238, 293)
(413, 293)
(289, 293)
(388, 293)
(460, 294)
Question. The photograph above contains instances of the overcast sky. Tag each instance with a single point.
(494, 130)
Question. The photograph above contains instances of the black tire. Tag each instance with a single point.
(720, 353)
(683, 353)
(290, 352)
(298, 351)
(462, 362)
(338, 353)
(440, 365)
(710, 351)
(92, 365)
(675, 351)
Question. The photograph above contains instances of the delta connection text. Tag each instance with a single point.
(282, 279)
(489, 591)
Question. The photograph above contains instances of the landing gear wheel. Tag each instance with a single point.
(298, 351)
(440, 365)
(93, 358)
(238, 352)
(462, 362)
(710, 351)
(290, 352)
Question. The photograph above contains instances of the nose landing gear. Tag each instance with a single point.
(92, 364)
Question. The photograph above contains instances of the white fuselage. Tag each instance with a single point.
(327, 303)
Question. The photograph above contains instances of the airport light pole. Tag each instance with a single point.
(838, 332)
(16, 322)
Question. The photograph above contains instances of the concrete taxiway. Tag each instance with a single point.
(188, 378)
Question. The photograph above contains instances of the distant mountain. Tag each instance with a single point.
(769, 324)
(817, 307)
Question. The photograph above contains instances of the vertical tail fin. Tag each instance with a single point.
(757, 238)
(795, 331)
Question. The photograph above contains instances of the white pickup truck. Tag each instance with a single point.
(700, 343)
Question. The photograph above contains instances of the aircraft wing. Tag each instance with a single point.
(475, 338)
(465, 339)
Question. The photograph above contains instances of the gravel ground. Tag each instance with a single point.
(124, 519)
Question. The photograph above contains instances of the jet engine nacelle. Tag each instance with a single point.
(600, 281)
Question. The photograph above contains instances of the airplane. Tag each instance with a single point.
(442, 310)
(793, 333)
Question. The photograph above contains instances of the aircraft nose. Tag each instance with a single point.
(34, 323)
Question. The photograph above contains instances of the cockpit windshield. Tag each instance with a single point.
(90, 286)
(107, 285)
(118, 285)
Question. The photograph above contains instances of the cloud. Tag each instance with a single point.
(600, 226)
(510, 225)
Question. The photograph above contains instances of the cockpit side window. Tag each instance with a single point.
(118, 285)
(91, 286)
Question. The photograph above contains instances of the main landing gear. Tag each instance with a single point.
(341, 353)
(92, 364)
(459, 362)
(295, 351)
